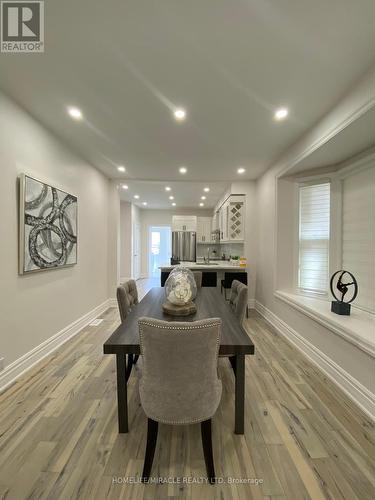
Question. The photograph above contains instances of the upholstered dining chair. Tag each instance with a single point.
(226, 283)
(131, 290)
(238, 299)
(127, 297)
(198, 278)
(184, 390)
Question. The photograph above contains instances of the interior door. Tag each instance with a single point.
(136, 251)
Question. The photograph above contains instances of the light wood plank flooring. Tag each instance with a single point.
(303, 439)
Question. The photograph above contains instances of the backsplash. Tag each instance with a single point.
(226, 248)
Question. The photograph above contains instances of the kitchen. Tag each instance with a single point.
(207, 233)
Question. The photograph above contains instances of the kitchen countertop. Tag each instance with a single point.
(216, 265)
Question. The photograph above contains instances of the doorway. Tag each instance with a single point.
(159, 251)
(136, 251)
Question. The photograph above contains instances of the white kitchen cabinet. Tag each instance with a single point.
(223, 221)
(204, 229)
(184, 223)
(236, 218)
(215, 221)
(232, 219)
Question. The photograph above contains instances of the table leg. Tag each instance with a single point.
(129, 366)
(232, 360)
(240, 394)
(122, 396)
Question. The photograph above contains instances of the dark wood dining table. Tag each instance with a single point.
(235, 344)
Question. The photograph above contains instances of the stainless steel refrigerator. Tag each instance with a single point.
(184, 246)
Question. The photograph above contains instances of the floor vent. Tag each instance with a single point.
(96, 322)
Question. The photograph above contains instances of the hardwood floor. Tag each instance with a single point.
(303, 437)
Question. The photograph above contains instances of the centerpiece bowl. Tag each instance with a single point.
(180, 291)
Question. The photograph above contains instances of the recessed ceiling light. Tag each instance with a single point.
(281, 114)
(121, 168)
(206, 189)
(75, 113)
(180, 114)
(144, 203)
(203, 197)
(201, 204)
(171, 197)
(136, 196)
(168, 188)
(182, 170)
(173, 204)
(241, 170)
(125, 186)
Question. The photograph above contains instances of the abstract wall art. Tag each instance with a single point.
(48, 226)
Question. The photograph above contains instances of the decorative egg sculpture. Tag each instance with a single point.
(180, 287)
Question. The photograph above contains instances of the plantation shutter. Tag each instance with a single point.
(358, 255)
(314, 233)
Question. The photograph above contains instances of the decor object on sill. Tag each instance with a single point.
(48, 227)
(180, 290)
(340, 305)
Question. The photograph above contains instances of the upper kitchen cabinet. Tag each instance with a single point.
(204, 225)
(232, 219)
(184, 223)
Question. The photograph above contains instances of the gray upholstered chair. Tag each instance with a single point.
(198, 278)
(122, 302)
(179, 382)
(130, 287)
(238, 299)
(127, 297)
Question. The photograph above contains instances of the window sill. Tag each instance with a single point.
(358, 328)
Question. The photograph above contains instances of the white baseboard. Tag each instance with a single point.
(364, 398)
(28, 360)
(251, 303)
(112, 302)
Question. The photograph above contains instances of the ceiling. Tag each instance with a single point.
(354, 139)
(230, 64)
(186, 194)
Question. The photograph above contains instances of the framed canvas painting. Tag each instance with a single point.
(48, 226)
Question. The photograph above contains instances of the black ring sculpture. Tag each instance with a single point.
(340, 306)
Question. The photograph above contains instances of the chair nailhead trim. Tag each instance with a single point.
(179, 327)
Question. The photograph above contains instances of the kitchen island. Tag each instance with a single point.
(219, 265)
(212, 272)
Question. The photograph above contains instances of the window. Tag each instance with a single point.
(314, 236)
(358, 234)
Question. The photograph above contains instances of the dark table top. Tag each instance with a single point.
(210, 304)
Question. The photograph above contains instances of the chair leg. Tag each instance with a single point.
(152, 436)
(207, 450)
(135, 359)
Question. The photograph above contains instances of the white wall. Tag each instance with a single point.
(113, 240)
(125, 240)
(136, 224)
(35, 307)
(357, 364)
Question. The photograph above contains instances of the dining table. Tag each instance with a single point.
(235, 344)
